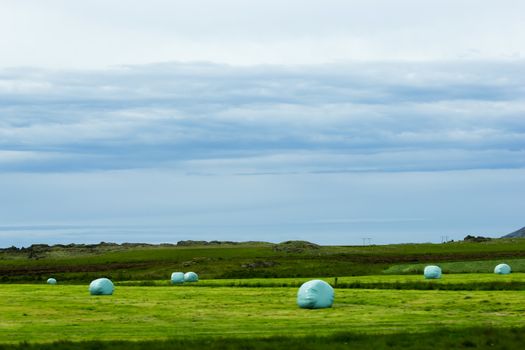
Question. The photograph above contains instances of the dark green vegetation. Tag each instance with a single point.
(139, 262)
(443, 338)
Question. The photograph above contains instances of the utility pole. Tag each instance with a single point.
(366, 240)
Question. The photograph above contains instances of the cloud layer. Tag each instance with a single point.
(326, 120)
(219, 119)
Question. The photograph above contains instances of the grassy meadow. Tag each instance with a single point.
(81, 264)
(246, 297)
(41, 313)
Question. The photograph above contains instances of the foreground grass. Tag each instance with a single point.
(479, 338)
(41, 314)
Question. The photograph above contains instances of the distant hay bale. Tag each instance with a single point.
(191, 277)
(502, 269)
(101, 286)
(177, 277)
(51, 280)
(315, 294)
(432, 272)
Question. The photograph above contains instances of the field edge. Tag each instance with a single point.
(440, 338)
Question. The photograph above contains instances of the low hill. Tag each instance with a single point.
(515, 234)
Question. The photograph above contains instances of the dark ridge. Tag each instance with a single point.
(190, 243)
(516, 234)
(43, 248)
(76, 246)
(470, 238)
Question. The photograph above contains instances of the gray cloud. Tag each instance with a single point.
(208, 118)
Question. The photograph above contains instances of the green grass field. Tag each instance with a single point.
(246, 298)
(41, 313)
(286, 282)
(253, 260)
(464, 281)
(476, 266)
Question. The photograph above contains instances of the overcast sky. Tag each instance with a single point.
(327, 121)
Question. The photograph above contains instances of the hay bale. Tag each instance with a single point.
(432, 272)
(315, 294)
(502, 269)
(177, 277)
(101, 286)
(51, 280)
(191, 277)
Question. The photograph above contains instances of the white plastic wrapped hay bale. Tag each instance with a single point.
(177, 277)
(101, 286)
(191, 277)
(315, 294)
(502, 269)
(432, 272)
(51, 281)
